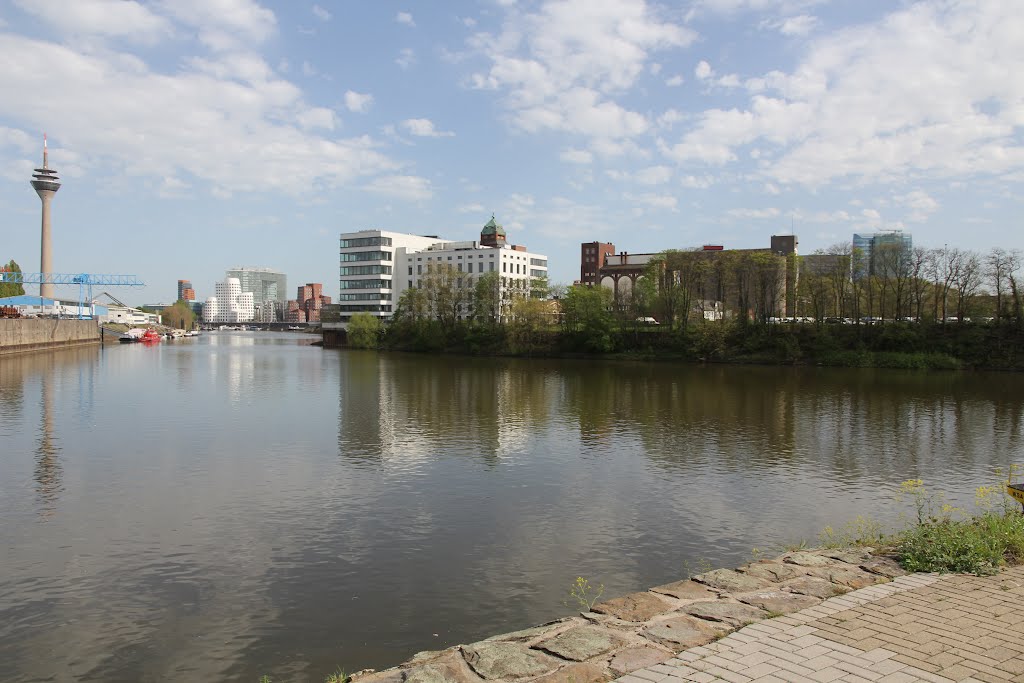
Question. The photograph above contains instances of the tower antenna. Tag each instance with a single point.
(44, 151)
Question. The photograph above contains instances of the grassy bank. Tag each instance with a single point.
(898, 345)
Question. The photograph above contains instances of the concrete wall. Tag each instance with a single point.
(20, 335)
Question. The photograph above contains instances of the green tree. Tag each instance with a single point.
(179, 315)
(11, 288)
(487, 299)
(586, 311)
(363, 331)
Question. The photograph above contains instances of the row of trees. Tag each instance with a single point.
(917, 284)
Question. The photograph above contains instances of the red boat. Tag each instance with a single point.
(150, 336)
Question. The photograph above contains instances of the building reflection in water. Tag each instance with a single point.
(48, 469)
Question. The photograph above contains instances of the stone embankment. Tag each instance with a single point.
(644, 629)
(20, 335)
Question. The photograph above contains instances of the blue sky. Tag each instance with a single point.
(196, 135)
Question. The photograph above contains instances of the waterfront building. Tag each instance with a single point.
(592, 260)
(185, 291)
(307, 305)
(878, 251)
(269, 289)
(378, 265)
(229, 304)
(33, 306)
(46, 183)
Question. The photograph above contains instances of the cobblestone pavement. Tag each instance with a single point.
(922, 627)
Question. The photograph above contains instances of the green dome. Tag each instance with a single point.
(492, 228)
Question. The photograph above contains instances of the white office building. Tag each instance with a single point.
(229, 304)
(378, 265)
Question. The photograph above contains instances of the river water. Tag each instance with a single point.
(243, 503)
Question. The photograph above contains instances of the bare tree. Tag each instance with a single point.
(966, 281)
(999, 264)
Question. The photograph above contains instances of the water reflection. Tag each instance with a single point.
(242, 504)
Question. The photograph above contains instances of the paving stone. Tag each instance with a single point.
(634, 607)
(580, 672)
(848, 576)
(395, 675)
(808, 559)
(814, 586)
(849, 555)
(634, 658)
(581, 643)
(448, 668)
(773, 572)
(681, 633)
(498, 659)
(885, 566)
(778, 601)
(731, 581)
(732, 613)
(528, 634)
(686, 590)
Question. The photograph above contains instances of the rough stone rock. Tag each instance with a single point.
(851, 577)
(732, 613)
(429, 655)
(498, 659)
(529, 634)
(852, 556)
(686, 590)
(773, 571)
(634, 607)
(395, 675)
(884, 566)
(778, 601)
(805, 559)
(815, 586)
(681, 633)
(731, 581)
(581, 643)
(634, 658)
(581, 672)
(449, 668)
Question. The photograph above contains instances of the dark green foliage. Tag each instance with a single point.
(11, 288)
(979, 545)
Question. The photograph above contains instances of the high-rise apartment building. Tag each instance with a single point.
(378, 265)
(185, 291)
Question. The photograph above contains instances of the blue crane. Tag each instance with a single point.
(83, 280)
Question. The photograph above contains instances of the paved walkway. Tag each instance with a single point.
(922, 627)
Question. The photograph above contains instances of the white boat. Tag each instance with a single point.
(295, 328)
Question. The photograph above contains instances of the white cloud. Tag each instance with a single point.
(576, 156)
(564, 66)
(320, 13)
(930, 89)
(694, 182)
(224, 24)
(405, 18)
(800, 25)
(470, 208)
(655, 201)
(920, 203)
(757, 214)
(653, 175)
(674, 81)
(424, 128)
(703, 70)
(406, 58)
(227, 125)
(308, 69)
(110, 18)
(413, 188)
(358, 102)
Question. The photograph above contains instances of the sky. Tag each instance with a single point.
(192, 136)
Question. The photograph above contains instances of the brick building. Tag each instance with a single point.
(306, 306)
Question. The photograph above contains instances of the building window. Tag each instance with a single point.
(481, 269)
(410, 270)
(491, 269)
(504, 267)
(419, 269)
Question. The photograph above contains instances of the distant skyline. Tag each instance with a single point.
(192, 136)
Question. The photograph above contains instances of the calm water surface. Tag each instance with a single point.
(244, 504)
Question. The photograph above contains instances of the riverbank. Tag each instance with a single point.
(620, 636)
(895, 345)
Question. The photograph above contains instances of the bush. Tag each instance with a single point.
(363, 331)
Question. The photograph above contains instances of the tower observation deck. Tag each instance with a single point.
(46, 183)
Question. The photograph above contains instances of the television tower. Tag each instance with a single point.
(46, 183)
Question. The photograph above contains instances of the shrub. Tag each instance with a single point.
(363, 331)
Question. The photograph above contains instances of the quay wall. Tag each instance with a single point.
(20, 335)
